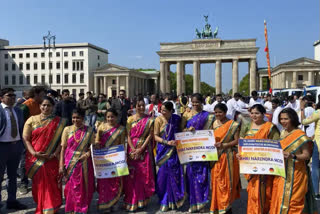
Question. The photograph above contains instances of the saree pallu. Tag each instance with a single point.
(79, 188)
(289, 194)
(260, 186)
(197, 173)
(110, 189)
(46, 190)
(225, 174)
(170, 180)
(139, 185)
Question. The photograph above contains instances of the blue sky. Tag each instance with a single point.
(132, 29)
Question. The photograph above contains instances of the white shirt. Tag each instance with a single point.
(233, 106)
(253, 102)
(268, 106)
(215, 103)
(275, 117)
(208, 108)
(295, 106)
(308, 111)
(155, 109)
(6, 137)
(146, 101)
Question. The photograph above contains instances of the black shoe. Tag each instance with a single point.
(16, 205)
(317, 197)
(23, 190)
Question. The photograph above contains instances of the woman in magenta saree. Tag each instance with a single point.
(197, 173)
(76, 164)
(139, 185)
(170, 181)
(109, 134)
(42, 135)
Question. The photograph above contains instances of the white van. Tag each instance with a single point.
(276, 92)
(314, 91)
(291, 91)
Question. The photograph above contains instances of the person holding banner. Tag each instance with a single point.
(197, 173)
(170, 180)
(42, 135)
(259, 186)
(293, 194)
(225, 177)
(76, 164)
(109, 134)
(139, 185)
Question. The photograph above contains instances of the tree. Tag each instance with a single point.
(204, 87)
(244, 85)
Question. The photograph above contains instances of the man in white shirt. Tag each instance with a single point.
(219, 99)
(168, 98)
(233, 106)
(268, 104)
(294, 103)
(11, 146)
(255, 99)
(154, 108)
(276, 107)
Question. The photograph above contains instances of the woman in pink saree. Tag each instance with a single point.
(139, 185)
(76, 164)
(109, 134)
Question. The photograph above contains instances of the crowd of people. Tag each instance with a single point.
(49, 140)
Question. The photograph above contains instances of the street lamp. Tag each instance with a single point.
(48, 39)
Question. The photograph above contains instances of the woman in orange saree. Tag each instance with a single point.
(225, 176)
(42, 135)
(289, 194)
(259, 186)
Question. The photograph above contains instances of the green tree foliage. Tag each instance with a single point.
(244, 85)
(205, 88)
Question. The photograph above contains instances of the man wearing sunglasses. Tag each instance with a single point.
(11, 126)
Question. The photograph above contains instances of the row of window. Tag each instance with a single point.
(76, 66)
(43, 79)
(35, 55)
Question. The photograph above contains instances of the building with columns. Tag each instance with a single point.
(207, 51)
(297, 73)
(67, 66)
(111, 78)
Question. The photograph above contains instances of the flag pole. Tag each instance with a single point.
(267, 55)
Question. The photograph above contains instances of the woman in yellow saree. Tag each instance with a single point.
(289, 194)
(259, 186)
(225, 175)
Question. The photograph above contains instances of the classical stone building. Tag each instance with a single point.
(111, 78)
(293, 74)
(67, 66)
(207, 51)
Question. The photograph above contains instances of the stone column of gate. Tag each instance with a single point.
(253, 75)
(294, 79)
(260, 83)
(179, 78)
(218, 77)
(128, 86)
(235, 76)
(167, 69)
(163, 77)
(196, 76)
(105, 85)
(183, 79)
(96, 85)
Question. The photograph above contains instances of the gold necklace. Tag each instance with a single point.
(81, 135)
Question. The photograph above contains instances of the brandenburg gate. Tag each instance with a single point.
(207, 51)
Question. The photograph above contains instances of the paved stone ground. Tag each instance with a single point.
(238, 207)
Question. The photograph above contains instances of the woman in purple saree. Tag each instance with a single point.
(170, 181)
(109, 134)
(76, 164)
(197, 173)
(139, 184)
